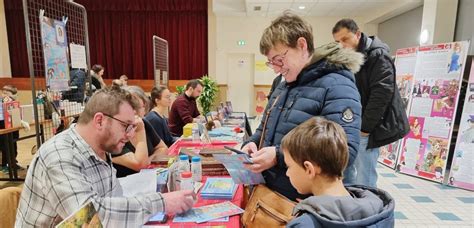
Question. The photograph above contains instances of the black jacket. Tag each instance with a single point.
(383, 115)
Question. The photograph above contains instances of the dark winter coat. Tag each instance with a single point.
(325, 87)
(383, 114)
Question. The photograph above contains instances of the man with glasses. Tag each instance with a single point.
(74, 167)
(318, 82)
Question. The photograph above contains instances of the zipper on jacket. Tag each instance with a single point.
(289, 108)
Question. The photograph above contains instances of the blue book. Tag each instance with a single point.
(219, 187)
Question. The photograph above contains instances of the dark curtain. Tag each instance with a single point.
(120, 36)
(16, 38)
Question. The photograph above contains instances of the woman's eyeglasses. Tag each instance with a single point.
(277, 60)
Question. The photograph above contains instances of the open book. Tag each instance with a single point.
(86, 216)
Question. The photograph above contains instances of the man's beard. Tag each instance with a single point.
(108, 145)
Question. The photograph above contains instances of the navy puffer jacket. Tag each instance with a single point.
(325, 87)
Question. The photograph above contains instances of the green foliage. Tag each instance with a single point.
(180, 89)
(209, 93)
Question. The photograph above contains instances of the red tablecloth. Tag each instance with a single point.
(174, 149)
(234, 221)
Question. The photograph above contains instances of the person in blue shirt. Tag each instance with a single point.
(161, 101)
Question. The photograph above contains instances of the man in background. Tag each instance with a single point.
(383, 117)
(184, 109)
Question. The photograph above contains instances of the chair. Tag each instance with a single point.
(9, 199)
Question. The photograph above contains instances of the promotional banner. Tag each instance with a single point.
(462, 167)
(435, 94)
(53, 37)
(405, 61)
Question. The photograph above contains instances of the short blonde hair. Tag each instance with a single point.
(320, 141)
(286, 29)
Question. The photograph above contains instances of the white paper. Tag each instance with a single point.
(78, 56)
(164, 79)
(138, 183)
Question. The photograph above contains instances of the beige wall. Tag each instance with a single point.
(464, 28)
(211, 44)
(229, 30)
(409, 23)
(5, 70)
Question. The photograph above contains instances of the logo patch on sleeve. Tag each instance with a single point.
(348, 116)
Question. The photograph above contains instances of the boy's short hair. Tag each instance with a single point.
(286, 29)
(320, 141)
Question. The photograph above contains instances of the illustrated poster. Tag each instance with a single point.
(435, 94)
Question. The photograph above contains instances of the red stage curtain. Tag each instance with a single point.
(120, 36)
(16, 38)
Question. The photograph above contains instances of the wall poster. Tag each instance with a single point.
(462, 167)
(435, 93)
(54, 41)
(405, 61)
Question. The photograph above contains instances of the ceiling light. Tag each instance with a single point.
(301, 7)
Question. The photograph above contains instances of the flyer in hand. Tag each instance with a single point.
(235, 166)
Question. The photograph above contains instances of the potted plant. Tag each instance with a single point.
(209, 94)
(180, 89)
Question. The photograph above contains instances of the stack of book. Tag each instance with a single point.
(219, 188)
(210, 166)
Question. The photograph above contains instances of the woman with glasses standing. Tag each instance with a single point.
(144, 145)
(161, 99)
(318, 82)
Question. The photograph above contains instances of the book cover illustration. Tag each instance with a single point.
(86, 216)
(11, 114)
(219, 187)
(209, 212)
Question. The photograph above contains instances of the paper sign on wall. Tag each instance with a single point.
(78, 56)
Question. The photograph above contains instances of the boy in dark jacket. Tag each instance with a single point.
(316, 154)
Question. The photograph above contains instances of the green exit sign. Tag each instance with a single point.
(241, 42)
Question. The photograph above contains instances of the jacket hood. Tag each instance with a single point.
(375, 44)
(330, 58)
(338, 56)
(364, 207)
